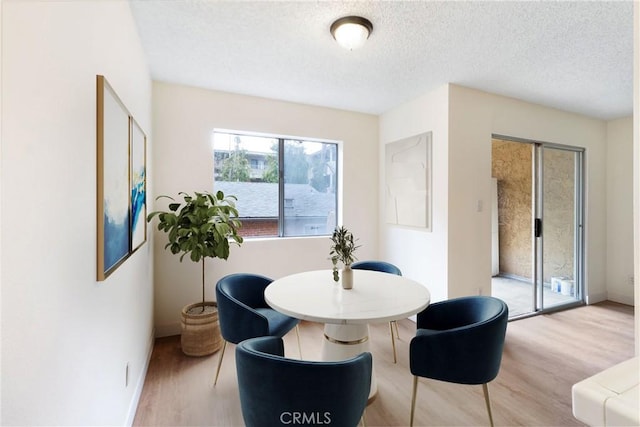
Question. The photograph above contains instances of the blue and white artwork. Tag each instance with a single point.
(138, 187)
(122, 181)
(115, 181)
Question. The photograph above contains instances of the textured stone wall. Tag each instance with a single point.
(559, 213)
(511, 165)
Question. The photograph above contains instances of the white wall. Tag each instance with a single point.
(184, 118)
(66, 338)
(474, 116)
(421, 255)
(1, 56)
(636, 165)
(619, 204)
(455, 259)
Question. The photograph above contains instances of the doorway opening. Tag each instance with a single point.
(537, 215)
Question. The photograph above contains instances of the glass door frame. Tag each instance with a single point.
(537, 223)
(538, 226)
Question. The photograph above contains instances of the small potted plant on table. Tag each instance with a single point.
(201, 226)
(343, 250)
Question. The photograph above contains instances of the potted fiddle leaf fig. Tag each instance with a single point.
(343, 248)
(202, 225)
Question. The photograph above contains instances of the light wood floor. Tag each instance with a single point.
(543, 357)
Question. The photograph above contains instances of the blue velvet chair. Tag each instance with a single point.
(277, 391)
(243, 312)
(384, 267)
(459, 341)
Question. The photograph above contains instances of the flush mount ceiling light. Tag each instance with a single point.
(351, 31)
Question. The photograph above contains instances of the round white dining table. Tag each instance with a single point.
(346, 313)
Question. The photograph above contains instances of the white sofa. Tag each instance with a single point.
(610, 397)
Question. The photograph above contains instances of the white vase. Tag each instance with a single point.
(347, 277)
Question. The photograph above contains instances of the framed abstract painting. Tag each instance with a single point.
(138, 187)
(113, 179)
(408, 182)
(121, 181)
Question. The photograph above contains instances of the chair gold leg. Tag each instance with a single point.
(393, 341)
(485, 388)
(299, 347)
(224, 346)
(413, 398)
(395, 323)
(364, 422)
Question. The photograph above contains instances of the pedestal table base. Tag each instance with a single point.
(346, 341)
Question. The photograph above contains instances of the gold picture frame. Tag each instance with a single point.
(121, 147)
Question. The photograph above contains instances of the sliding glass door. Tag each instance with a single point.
(538, 254)
(559, 226)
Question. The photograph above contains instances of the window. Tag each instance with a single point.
(285, 187)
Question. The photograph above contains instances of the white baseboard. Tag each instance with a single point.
(137, 393)
(595, 298)
(168, 330)
(622, 299)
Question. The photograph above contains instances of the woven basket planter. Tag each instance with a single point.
(200, 331)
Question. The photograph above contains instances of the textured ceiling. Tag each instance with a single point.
(575, 56)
